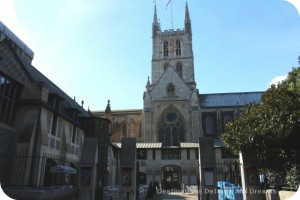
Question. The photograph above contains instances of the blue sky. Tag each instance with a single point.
(101, 49)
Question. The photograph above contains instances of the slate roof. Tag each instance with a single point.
(229, 99)
(89, 150)
(36, 76)
(4, 31)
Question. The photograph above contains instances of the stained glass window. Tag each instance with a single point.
(171, 128)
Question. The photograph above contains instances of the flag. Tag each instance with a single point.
(168, 4)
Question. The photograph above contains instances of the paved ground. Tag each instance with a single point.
(179, 196)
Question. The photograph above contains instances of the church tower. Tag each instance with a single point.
(171, 100)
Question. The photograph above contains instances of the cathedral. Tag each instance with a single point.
(48, 140)
(175, 115)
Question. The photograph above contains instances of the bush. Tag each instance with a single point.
(292, 177)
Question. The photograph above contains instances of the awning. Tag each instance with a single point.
(63, 169)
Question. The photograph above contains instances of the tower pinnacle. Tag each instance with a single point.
(187, 20)
(155, 24)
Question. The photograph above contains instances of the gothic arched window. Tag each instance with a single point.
(227, 119)
(170, 89)
(124, 129)
(166, 48)
(178, 48)
(171, 128)
(179, 69)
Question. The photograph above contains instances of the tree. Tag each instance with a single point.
(272, 127)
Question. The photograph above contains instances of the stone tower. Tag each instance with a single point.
(171, 100)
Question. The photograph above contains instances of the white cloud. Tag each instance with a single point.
(277, 80)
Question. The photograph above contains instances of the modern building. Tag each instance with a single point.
(175, 115)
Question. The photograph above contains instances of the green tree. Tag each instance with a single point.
(272, 127)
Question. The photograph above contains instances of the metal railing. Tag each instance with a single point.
(28, 171)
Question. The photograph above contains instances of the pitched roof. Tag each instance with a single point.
(230, 99)
(6, 32)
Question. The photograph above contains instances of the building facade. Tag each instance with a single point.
(43, 131)
(175, 115)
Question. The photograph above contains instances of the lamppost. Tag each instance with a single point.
(198, 181)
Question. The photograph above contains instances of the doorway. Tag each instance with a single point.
(171, 177)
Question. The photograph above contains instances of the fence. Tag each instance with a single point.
(229, 180)
(38, 171)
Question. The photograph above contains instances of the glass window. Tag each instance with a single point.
(141, 154)
(57, 144)
(227, 119)
(166, 48)
(49, 122)
(178, 48)
(171, 128)
(171, 154)
(52, 143)
(59, 128)
(70, 132)
(8, 97)
(77, 137)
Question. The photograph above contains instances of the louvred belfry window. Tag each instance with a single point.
(178, 48)
(166, 48)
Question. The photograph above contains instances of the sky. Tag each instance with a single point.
(99, 50)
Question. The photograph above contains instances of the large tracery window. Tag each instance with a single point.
(171, 128)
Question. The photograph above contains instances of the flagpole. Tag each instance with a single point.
(172, 13)
(170, 1)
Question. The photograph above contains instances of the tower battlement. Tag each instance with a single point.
(171, 32)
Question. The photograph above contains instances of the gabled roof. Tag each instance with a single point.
(6, 32)
(161, 79)
(229, 99)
